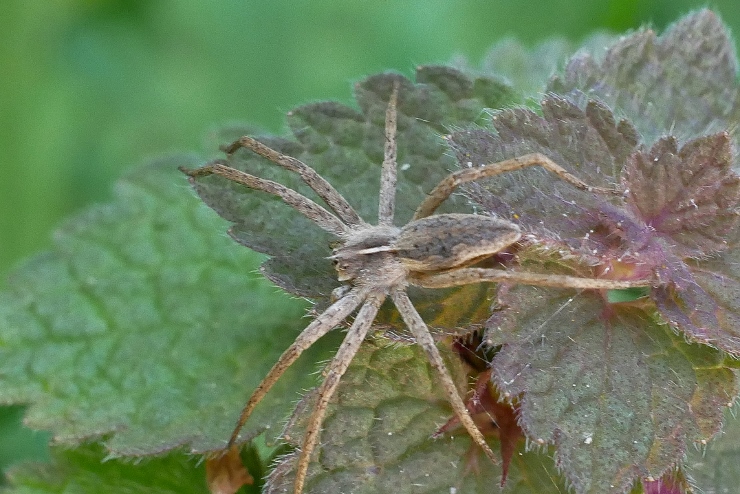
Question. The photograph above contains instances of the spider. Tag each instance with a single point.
(380, 261)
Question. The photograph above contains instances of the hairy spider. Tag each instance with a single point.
(382, 260)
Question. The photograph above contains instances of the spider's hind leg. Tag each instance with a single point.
(330, 318)
(424, 338)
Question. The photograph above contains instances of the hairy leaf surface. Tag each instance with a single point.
(690, 195)
(681, 83)
(376, 437)
(713, 467)
(588, 142)
(611, 385)
(619, 394)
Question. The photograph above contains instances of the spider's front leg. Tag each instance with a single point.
(308, 208)
(310, 177)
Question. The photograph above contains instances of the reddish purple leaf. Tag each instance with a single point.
(690, 195)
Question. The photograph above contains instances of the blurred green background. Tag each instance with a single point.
(89, 88)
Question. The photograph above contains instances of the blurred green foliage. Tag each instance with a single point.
(90, 87)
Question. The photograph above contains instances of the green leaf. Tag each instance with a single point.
(619, 394)
(376, 437)
(85, 470)
(146, 325)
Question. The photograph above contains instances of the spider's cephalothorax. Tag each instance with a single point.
(380, 261)
(365, 257)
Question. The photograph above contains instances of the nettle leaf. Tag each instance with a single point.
(708, 306)
(693, 209)
(145, 325)
(616, 391)
(84, 471)
(682, 82)
(376, 437)
(345, 145)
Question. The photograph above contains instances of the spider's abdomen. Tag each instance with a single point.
(446, 241)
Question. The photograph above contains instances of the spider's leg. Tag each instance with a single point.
(333, 373)
(424, 338)
(444, 189)
(388, 174)
(324, 189)
(302, 204)
(467, 276)
(327, 320)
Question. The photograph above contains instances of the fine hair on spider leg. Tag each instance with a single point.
(380, 261)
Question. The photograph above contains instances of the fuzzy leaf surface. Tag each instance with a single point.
(681, 202)
(690, 195)
(708, 307)
(145, 325)
(619, 394)
(376, 437)
(681, 83)
(592, 376)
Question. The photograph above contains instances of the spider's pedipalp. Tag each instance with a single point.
(444, 189)
(424, 338)
(467, 276)
(333, 373)
(300, 203)
(389, 173)
(324, 322)
(319, 184)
